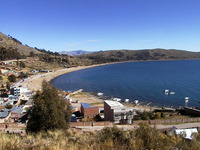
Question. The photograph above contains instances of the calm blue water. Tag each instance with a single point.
(144, 81)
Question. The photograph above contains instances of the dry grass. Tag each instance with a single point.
(108, 138)
(84, 97)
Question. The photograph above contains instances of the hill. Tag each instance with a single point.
(11, 48)
(8, 42)
(137, 55)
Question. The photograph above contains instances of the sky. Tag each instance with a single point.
(92, 25)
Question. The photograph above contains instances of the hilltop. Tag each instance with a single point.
(138, 55)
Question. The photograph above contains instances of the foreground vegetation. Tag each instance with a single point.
(109, 138)
(49, 112)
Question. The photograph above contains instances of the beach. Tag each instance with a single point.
(34, 82)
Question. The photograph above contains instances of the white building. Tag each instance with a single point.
(116, 112)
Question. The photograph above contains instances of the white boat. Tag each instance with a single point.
(126, 100)
(116, 99)
(171, 93)
(136, 101)
(187, 98)
(99, 94)
(166, 91)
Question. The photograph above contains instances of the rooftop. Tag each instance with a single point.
(17, 110)
(3, 114)
(85, 105)
(114, 104)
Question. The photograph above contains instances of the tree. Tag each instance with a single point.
(8, 106)
(22, 64)
(8, 86)
(49, 112)
(23, 75)
(32, 54)
(12, 78)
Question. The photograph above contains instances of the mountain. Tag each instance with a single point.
(138, 55)
(75, 53)
(8, 42)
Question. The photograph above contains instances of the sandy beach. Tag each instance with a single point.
(35, 81)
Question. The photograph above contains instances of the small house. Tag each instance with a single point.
(88, 111)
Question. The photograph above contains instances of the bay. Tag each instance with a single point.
(144, 81)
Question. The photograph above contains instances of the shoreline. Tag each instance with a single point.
(35, 81)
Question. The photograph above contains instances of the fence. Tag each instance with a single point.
(102, 123)
(168, 121)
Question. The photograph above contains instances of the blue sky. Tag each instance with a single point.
(64, 25)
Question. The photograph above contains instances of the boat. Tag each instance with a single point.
(166, 91)
(99, 94)
(136, 101)
(187, 98)
(116, 99)
(126, 100)
(171, 93)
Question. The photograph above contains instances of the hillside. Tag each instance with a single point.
(11, 48)
(8, 42)
(142, 138)
(137, 55)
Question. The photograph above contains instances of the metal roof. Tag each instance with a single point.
(85, 105)
(29, 102)
(3, 114)
(17, 110)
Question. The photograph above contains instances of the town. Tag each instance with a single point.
(90, 112)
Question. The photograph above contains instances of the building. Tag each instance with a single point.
(185, 133)
(21, 91)
(2, 71)
(15, 91)
(116, 112)
(4, 116)
(88, 111)
(16, 113)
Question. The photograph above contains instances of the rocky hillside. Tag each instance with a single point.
(137, 55)
(8, 42)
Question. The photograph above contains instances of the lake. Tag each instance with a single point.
(144, 81)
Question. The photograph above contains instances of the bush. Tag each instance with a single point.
(12, 78)
(49, 112)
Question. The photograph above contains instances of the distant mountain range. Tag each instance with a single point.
(139, 55)
(75, 53)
